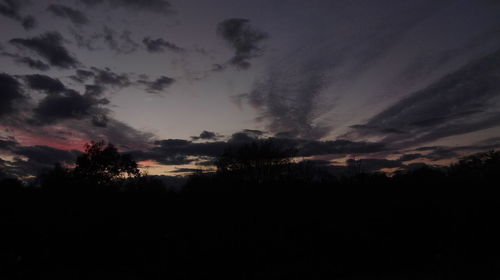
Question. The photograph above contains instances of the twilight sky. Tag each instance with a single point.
(389, 83)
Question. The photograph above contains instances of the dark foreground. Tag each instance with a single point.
(427, 224)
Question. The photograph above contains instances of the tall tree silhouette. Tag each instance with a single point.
(102, 164)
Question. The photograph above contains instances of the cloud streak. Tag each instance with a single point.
(34, 64)
(298, 95)
(75, 16)
(122, 43)
(12, 9)
(153, 6)
(461, 102)
(50, 47)
(158, 85)
(160, 45)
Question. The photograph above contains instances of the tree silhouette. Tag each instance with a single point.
(261, 216)
(103, 164)
(477, 166)
(57, 179)
(256, 161)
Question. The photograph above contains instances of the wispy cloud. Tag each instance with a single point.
(154, 6)
(50, 47)
(77, 17)
(461, 102)
(243, 38)
(12, 9)
(160, 45)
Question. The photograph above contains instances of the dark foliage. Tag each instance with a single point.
(102, 164)
(246, 222)
(257, 161)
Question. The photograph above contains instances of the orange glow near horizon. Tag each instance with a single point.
(151, 167)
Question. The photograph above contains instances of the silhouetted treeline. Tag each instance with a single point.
(260, 216)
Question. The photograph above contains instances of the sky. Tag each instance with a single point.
(387, 84)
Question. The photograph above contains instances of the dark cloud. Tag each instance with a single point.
(364, 127)
(92, 2)
(94, 90)
(157, 85)
(28, 22)
(436, 153)
(44, 83)
(7, 144)
(127, 42)
(155, 6)
(218, 67)
(27, 61)
(47, 155)
(75, 16)
(122, 135)
(50, 47)
(10, 92)
(311, 148)
(206, 135)
(86, 41)
(32, 63)
(177, 151)
(180, 151)
(62, 103)
(442, 153)
(408, 157)
(100, 120)
(68, 105)
(308, 148)
(160, 45)
(185, 170)
(478, 122)
(12, 9)
(103, 79)
(31, 160)
(106, 77)
(373, 164)
(461, 102)
(206, 161)
(244, 39)
(175, 160)
(245, 136)
(82, 75)
(253, 132)
(122, 43)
